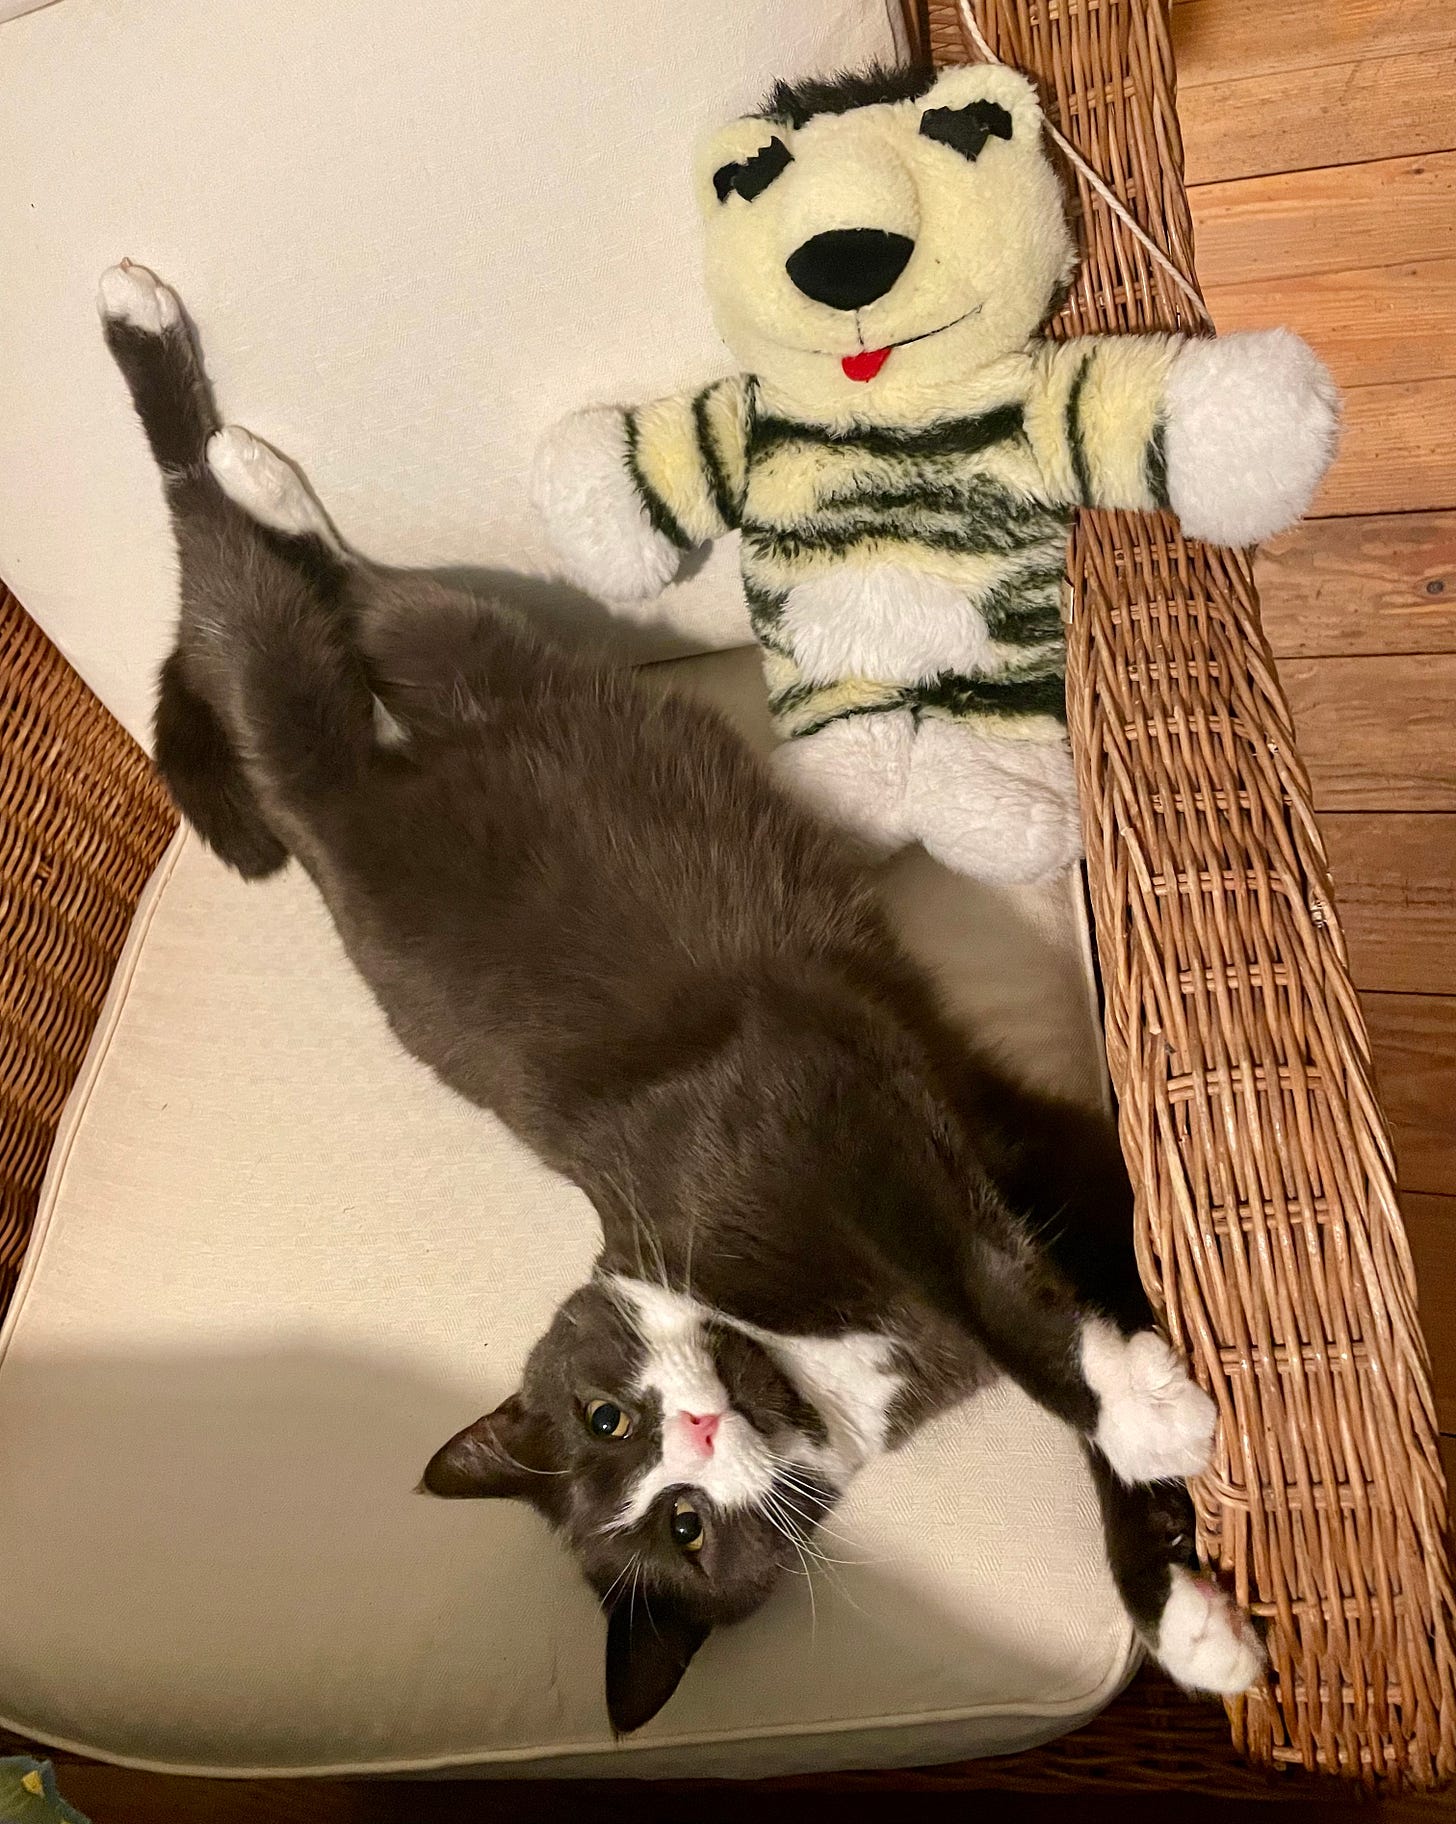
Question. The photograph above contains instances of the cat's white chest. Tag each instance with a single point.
(851, 1382)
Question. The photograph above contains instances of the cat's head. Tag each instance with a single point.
(676, 1457)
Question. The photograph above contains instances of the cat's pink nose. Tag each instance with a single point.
(702, 1428)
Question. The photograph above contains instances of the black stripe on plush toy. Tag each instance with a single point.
(1027, 611)
(712, 462)
(1155, 463)
(1075, 447)
(952, 437)
(966, 130)
(1006, 522)
(961, 696)
(794, 103)
(976, 525)
(658, 512)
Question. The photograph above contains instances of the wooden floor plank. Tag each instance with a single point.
(1343, 113)
(1378, 734)
(1373, 324)
(1383, 583)
(1397, 450)
(1221, 40)
(1430, 1222)
(1413, 1037)
(1341, 216)
(1395, 886)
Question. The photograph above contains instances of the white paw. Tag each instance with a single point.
(131, 294)
(1253, 422)
(853, 775)
(1205, 1641)
(593, 513)
(263, 484)
(995, 808)
(1154, 1421)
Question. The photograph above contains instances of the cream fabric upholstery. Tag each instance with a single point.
(411, 236)
(277, 1264)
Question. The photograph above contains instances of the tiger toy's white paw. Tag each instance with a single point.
(1252, 425)
(583, 488)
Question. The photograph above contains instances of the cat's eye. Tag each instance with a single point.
(604, 1420)
(685, 1526)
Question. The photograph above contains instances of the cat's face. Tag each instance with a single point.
(677, 1457)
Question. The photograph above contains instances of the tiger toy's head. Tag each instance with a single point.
(876, 240)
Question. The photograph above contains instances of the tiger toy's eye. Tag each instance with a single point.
(966, 130)
(750, 177)
(686, 1527)
(604, 1420)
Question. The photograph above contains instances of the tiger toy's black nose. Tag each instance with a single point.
(848, 268)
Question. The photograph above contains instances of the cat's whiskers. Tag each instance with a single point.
(640, 1228)
(629, 1566)
(795, 1480)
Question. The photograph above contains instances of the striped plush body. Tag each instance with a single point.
(902, 453)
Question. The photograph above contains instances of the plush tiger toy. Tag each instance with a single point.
(901, 453)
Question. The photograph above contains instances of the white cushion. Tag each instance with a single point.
(412, 237)
(277, 1264)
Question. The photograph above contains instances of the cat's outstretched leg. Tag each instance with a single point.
(1128, 1394)
(267, 486)
(1191, 1627)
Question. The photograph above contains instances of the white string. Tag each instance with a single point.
(1113, 202)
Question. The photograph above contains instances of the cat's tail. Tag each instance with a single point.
(264, 706)
(1196, 1633)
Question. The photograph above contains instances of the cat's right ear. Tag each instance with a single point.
(511, 1453)
(650, 1642)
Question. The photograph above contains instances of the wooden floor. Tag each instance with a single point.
(1321, 158)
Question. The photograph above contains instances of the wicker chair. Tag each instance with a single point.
(1268, 1232)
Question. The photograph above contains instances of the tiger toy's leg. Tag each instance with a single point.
(999, 807)
(854, 773)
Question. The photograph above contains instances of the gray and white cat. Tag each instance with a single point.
(581, 902)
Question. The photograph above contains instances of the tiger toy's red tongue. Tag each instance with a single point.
(866, 364)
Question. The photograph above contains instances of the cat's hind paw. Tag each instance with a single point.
(265, 485)
(131, 294)
(1154, 1421)
(1205, 1641)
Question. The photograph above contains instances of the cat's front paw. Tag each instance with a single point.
(1205, 1641)
(131, 294)
(1153, 1419)
(583, 487)
(1252, 424)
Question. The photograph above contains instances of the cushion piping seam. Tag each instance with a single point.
(117, 994)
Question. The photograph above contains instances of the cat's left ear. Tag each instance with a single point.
(511, 1453)
(648, 1650)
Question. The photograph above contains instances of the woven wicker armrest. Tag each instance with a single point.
(1267, 1227)
(83, 821)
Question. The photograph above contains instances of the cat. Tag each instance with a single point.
(582, 903)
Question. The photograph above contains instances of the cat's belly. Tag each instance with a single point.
(895, 625)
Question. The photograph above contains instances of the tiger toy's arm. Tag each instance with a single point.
(625, 493)
(1233, 433)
